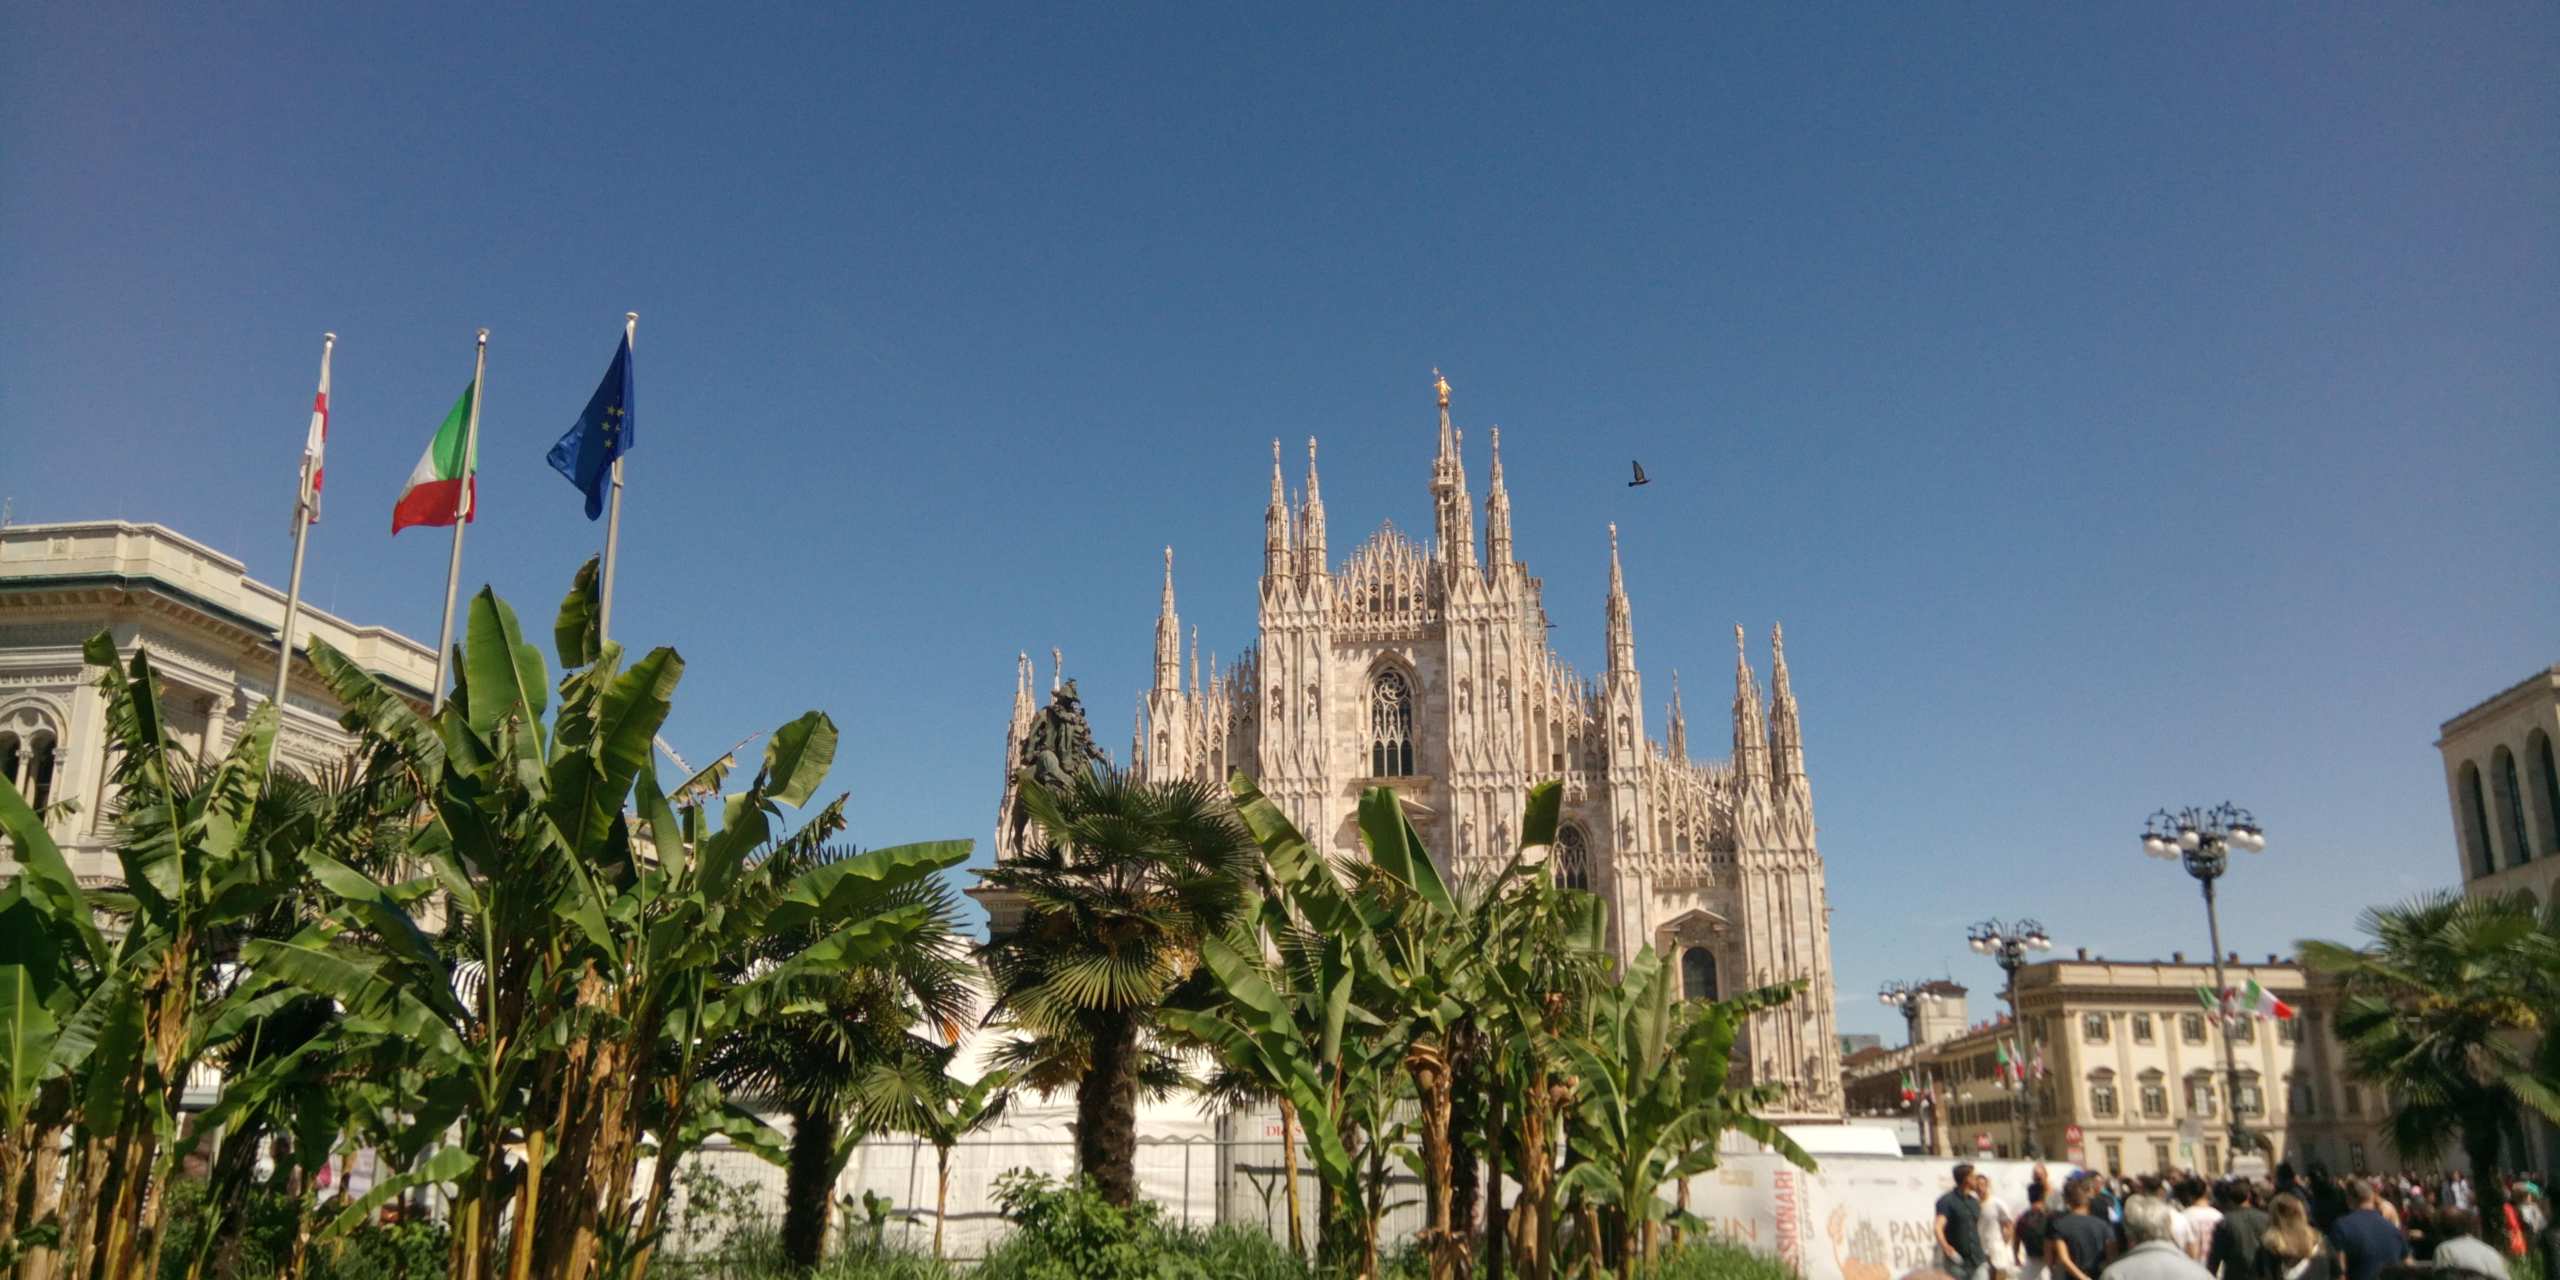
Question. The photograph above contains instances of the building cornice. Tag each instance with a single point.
(2541, 686)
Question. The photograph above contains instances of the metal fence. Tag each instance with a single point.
(1198, 1182)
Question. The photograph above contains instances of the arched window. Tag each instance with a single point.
(2102, 1094)
(1573, 858)
(2475, 819)
(2511, 808)
(27, 751)
(1698, 974)
(1390, 726)
(39, 788)
(2546, 788)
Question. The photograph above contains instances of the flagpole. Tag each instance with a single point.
(302, 499)
(462, 512)
(613, 518)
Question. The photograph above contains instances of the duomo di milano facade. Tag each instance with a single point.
(1427, 670)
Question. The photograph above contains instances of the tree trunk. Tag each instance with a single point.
(941, 1195)
(1289, 1168)
(808, 1187)
(1678, 1228)
(1107, 1109)
(1495, 1225)
(44, 1198)
(2481, 1140)
(1430, 1071)
(1466, 1119)
(528, 1208)
(1533, 1215)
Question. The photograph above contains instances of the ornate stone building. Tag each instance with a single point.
(211, 630)
(1427, 669)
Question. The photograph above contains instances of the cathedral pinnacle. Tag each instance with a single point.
(1677, 728)
(1275, 524)
(1311, 525)
(1622, 626)
(1750, 733)
(1786, 733)
(1168, 635)
(1454, 515)
(1497, 516)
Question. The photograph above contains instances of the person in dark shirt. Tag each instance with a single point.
(1959, 1225)
(2234, 1252)
(2033, 1233)
(2366, 1237)
(2081, 1241)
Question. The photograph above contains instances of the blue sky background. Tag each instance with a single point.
(2121, 405)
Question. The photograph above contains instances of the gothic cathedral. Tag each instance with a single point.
(1420, 669)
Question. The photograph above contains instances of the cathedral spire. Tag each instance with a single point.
(1786, 735)
(1622, 625)
(1196, 686)
(1275, 526)
(1168, 635)
(1138, 740)
(1677, 728)
(1750, 735)
(1497, 516)
(1311, 564)
(1454, 515)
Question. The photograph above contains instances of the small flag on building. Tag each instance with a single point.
(1909, 1091)
(443, 488)
(2007, 1068)
(602, 434)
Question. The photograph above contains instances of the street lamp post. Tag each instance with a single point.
(1912, 998)
(2009, 942)
(2202, 840)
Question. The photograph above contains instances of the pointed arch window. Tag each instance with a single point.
(1390, 725)
(1698, 974)
(1573, 858)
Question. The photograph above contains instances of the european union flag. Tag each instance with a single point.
(603, 433)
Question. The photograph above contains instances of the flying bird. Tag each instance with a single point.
(1640, 476)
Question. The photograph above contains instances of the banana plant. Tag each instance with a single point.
(1654, 1098)
(559, 1018)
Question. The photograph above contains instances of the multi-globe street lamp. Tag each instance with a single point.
(1913, 998)
(2202, 840)
(2009, 943)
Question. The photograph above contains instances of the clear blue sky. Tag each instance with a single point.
(2121, 405)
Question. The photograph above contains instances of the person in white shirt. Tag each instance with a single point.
(2197, 1212)
(1999, 1226)
(2462, 1249)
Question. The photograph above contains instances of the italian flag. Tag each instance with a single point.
(2262, 1002)
(443, 486)
(1909, 1093)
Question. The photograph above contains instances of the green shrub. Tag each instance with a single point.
(1066, 1231)
(1707, 1260)
(406, 1251)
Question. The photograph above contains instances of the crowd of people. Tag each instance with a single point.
(2184, 1227)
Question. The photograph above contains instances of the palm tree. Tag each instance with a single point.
(827, 1065)
(924, 1100)
(1122, 884)
(2454, 1011)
